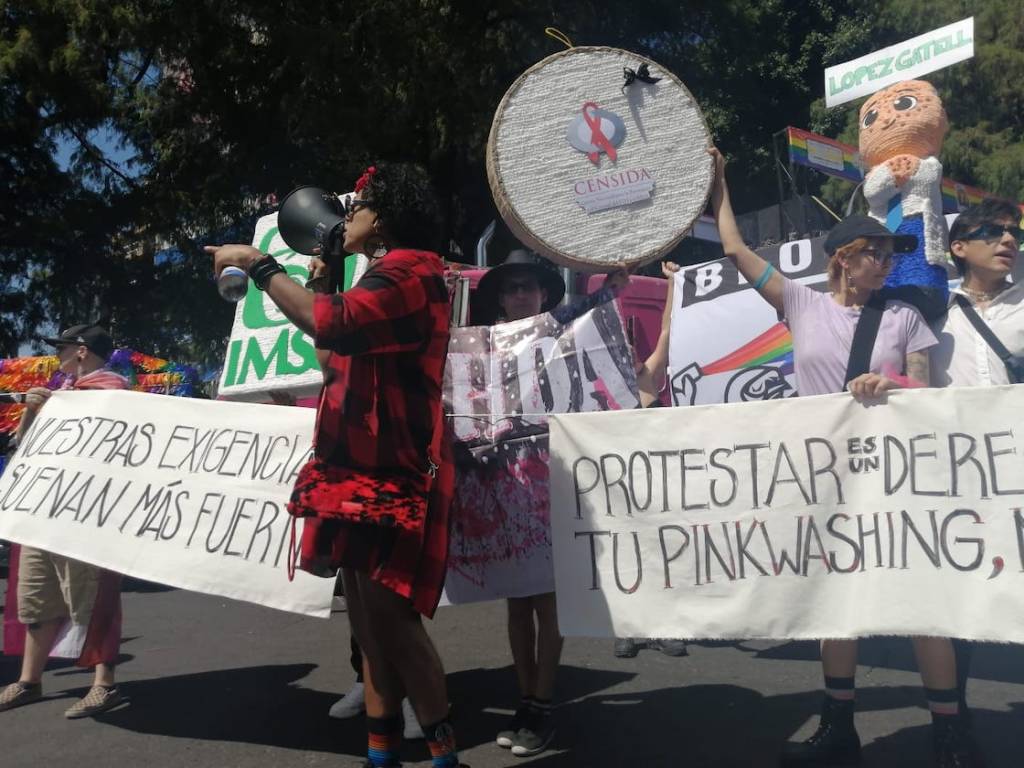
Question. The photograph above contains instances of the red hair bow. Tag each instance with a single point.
(365, 178)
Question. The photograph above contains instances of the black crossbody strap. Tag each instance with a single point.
(864, 335)
(982, 328)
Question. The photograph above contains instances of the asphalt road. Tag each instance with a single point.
(218, 683)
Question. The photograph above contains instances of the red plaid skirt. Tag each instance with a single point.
(410, 561)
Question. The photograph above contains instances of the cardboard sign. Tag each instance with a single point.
(904, 61)
(266, 353)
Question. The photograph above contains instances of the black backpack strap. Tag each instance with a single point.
(982, 328)
(864, 337)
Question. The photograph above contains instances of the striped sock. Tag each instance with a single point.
(943, 702)
(839, 688)
(385, 741)
(441, 743)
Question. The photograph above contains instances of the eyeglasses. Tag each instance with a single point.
(995, 232)
(881, 257)
(352, 205)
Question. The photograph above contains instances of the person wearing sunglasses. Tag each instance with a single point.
(981, 338)
(375, 495)
(522, 286)
(984, 242)
(860, 256)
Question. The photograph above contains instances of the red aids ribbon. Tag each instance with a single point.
(597, 137)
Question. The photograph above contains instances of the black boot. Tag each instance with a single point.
(953, 744)
(834, 743)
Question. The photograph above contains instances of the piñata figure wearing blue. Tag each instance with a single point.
(901, 132)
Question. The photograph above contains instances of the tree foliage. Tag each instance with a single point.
(982, 96)
(220, 103)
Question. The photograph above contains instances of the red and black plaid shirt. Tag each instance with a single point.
(378, 413)
(382, 388)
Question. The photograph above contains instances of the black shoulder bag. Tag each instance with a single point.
(864, 335)
(1014, 363)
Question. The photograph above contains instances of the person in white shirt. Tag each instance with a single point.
(985, 244)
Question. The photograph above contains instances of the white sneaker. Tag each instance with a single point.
(412, 729)
(351, 704)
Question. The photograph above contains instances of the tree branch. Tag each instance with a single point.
(92, 150)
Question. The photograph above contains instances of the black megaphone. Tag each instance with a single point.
(311, 218)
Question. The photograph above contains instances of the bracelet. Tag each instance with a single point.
(757, 286)
(262, 270)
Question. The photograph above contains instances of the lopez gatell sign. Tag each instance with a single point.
(905, 61)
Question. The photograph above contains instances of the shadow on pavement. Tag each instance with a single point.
(726, 726)
(254, 705)
(473, 691)
(992, 661)
(264, 705)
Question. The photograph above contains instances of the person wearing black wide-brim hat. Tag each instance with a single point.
(524, 286)
(526, 272)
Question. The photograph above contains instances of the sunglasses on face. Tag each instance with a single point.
(992, 232)
(352, 206)
(880, 256)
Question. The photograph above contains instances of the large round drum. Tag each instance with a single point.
(597, 157)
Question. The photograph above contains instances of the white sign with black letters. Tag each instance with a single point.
(189, 493)
(794, 518)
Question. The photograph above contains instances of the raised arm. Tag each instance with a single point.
(758, 272)
(650, 375)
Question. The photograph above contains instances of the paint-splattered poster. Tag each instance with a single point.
(501, 384)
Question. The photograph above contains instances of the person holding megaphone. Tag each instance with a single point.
(375, 494)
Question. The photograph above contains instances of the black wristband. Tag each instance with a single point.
(261, 271)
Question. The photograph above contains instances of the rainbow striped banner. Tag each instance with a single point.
(843, 161)
(825, 155)
(774, 346)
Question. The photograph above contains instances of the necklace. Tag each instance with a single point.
(982, 296)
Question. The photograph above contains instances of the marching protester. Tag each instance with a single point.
(323, 279)
(832, 351)
(981, 339)
(56, 593)
(519, 288)
(984, 242)
(375, 496)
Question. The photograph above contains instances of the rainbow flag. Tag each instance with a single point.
(774, 346)
(843, 161)
(825, 155)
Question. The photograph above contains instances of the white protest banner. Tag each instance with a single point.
(189, 493)
(266, 353)
(801, 518)
(501, 383)
(904, 61)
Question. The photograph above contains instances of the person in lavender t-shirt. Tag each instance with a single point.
(861, 253)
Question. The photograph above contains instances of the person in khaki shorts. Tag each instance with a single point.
(52, 589)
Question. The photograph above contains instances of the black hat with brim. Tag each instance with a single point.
(91, 336)
(485, 300)
(853, 227)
